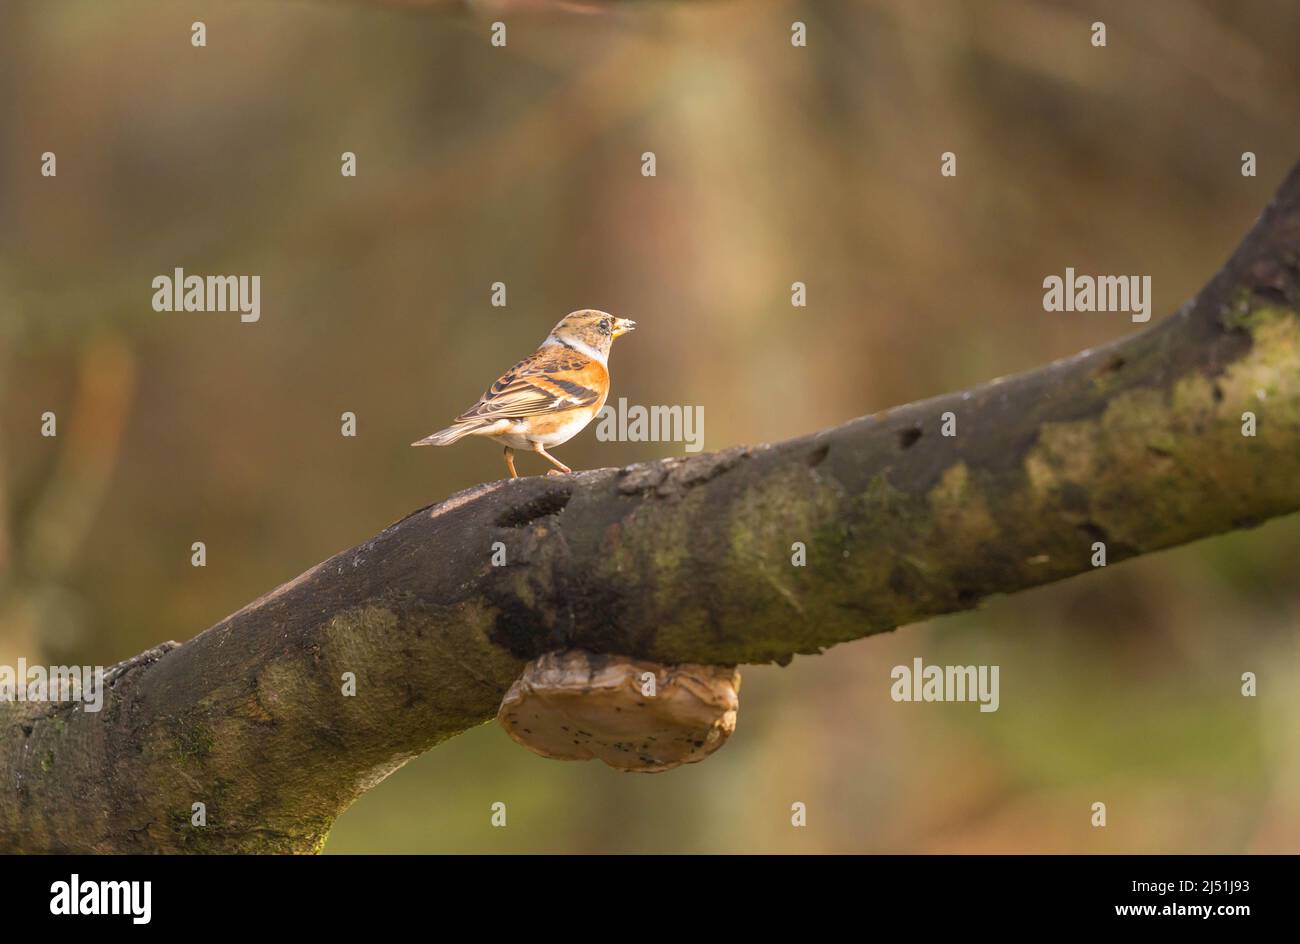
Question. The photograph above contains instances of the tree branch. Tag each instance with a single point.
(1138, 445)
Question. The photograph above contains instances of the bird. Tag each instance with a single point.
(548, 397)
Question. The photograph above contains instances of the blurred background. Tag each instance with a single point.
(522, 165)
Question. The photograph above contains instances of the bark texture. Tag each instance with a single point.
(1138, 445)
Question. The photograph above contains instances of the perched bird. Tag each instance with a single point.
(548, 397)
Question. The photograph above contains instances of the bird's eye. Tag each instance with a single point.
(604, 325)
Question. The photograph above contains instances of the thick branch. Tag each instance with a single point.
(1138, 445)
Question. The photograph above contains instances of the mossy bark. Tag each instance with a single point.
(1138, 445)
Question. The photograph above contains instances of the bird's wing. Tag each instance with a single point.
(549, 381)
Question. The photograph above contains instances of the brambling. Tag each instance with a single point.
(548, 397)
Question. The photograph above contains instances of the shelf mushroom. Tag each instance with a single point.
(633, 715)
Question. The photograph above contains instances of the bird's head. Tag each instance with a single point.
(595, 330)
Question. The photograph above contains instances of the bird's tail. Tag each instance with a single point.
(445, 437)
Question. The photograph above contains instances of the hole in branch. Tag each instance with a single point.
(539, 506)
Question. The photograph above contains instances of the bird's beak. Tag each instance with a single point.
(623, 326)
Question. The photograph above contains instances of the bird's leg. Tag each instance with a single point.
(510, 462)
(541, 451)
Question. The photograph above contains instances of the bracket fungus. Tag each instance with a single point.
(633, 715)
